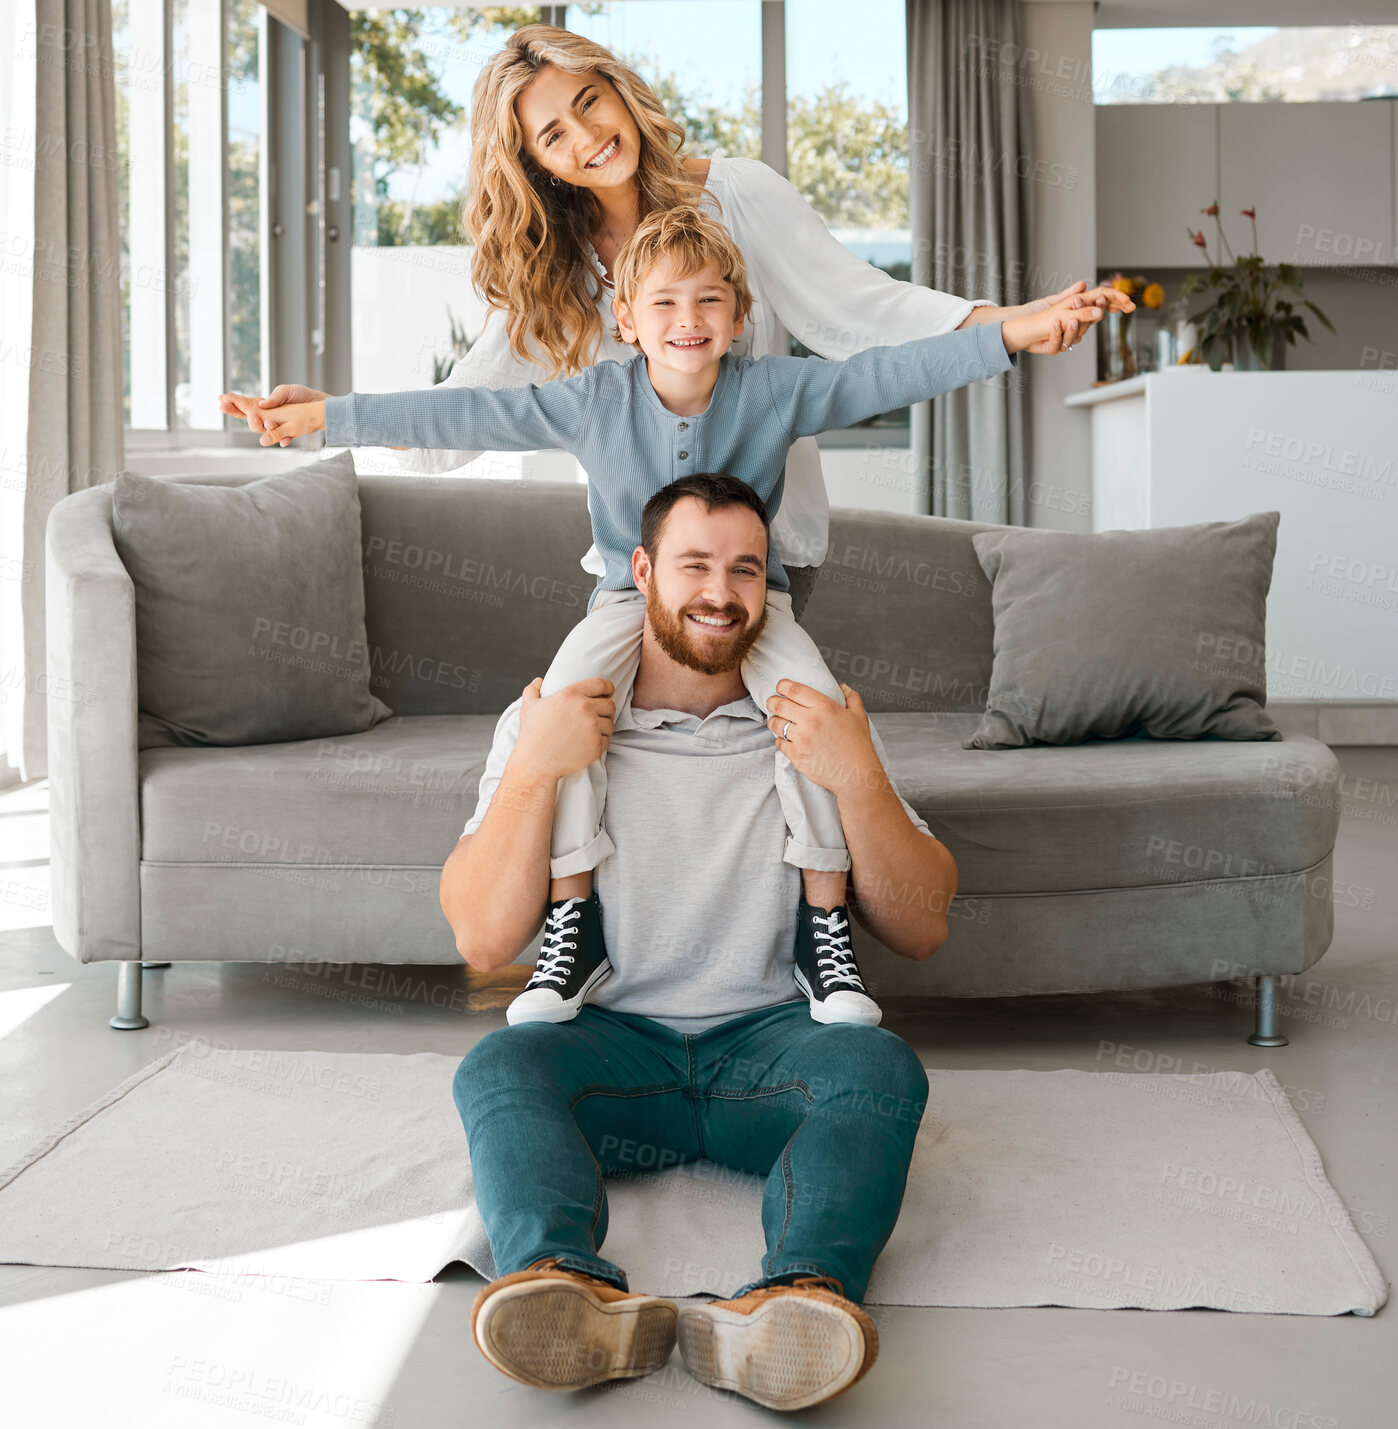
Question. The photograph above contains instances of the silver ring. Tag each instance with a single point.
(785, 735)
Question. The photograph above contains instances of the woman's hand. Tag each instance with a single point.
(565, 732)
(1073, 298)
(827, 742)
(1075, 295)
(234, 404)
(1053, 330)
(295, 419)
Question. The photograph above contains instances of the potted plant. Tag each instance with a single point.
(1251, 319)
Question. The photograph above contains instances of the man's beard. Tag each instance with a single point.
(675, 635)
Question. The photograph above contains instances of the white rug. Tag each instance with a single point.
(1090, 1189)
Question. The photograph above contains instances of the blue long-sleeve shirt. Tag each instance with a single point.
(631, 444)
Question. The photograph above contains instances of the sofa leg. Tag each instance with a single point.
(1266, 1034)
(128, 1014)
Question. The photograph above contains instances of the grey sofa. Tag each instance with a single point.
(1112, 865)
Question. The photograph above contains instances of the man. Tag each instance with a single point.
(699, 1044)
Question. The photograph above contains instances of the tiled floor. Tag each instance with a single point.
(100, 1348)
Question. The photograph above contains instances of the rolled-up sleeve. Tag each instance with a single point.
(917, 819)
(827, 297)
(502, 746)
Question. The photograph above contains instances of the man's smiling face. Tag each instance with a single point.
(706, 593)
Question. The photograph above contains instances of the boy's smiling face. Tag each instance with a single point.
(683, 324)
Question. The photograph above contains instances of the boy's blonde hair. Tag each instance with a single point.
(691, 241)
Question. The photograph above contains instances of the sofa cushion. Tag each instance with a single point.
(396, 795)
(1158, 632)
(1129, 813)
(1113, 814)
(249, 606)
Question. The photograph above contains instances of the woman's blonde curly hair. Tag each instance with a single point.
(531, 235)
(691, 241)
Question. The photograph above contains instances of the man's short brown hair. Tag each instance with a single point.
(689, 239)
(713, 488)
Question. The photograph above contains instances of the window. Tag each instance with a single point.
(702, 57)
(415, 310)
(847, 138)
(1217, 66)
(189, 97)
(246, 319)
(413, 307)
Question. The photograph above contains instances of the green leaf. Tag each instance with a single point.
(1319, 314)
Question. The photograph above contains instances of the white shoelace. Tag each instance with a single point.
(553, 954)
(835, 962)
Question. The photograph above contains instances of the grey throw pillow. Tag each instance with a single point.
(249, 606)
(1128, 633)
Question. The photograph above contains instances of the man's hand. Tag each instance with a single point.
(295, 419)
(564, 732)
(829, 743)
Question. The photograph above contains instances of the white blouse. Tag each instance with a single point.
(801, 275)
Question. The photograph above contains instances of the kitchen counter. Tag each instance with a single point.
(1183, 446)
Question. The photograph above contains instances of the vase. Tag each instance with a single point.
(1116, 357)
(1246, 360)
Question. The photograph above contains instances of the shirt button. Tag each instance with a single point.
(684, 426)
(683, 455)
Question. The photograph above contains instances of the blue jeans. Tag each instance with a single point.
(828, 1113)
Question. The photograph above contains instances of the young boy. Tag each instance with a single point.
(682, 405)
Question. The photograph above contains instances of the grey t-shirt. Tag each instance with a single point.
(698, 907)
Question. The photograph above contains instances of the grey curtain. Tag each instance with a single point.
(74, 427)
(971, 162)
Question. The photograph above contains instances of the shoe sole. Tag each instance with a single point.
(565, 1011)
(832, 1019)
(554, 1334)
(788, 1354)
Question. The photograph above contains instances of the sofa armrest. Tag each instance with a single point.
(94, 806)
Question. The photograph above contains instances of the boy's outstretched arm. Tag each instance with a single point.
(814, 395)
(539, 415)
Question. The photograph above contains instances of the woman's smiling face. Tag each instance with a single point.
(577, 127)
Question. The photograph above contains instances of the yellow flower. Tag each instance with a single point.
(1154, 295)
(1123, 285)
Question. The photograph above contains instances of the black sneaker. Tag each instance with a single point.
(572, 961)
(826, 970)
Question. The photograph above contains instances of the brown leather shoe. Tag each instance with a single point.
(559, 1329)
(783, 1346)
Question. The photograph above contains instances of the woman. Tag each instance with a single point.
(570, 149)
